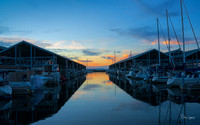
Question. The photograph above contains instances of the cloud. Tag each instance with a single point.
(145, 33)
(75, 57)
(149, 35)
(159, 9)
(108, 57)
(4, 30)
(117, 51)
(124, 56)
(98, 67)
(90, 52)
(58, 46)
(64, 44)
(8, 41)
(60, 50)
(90, 87)
(8, 30)
(53, 30)
(85, 60)
(173, 42)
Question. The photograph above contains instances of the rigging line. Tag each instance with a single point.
(174, 32)
(164, 36)
(172, 61)
(191, 25)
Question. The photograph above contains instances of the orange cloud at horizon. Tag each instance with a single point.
(102, 61)
(173, 42)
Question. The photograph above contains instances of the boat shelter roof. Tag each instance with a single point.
(144, 55)
(24, 49)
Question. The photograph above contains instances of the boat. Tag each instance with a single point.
(5, 88)
(141, 74)
(161, 76)
(27, 79)
(49, 73)
(189, 79)
(183, 78)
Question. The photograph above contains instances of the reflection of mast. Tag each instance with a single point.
(115, 90)
(170, 112)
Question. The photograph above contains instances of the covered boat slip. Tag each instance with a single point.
(151, 57)
(25, 54)
(31, 67)
(147, 58)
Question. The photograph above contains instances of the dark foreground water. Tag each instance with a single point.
(102, 100)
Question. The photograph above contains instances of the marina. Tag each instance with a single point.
(175, 68)
(30, 67)
(129, 62)
(98, 99)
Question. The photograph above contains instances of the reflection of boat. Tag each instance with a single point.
(5, 88)
(160, 77)
(188, 79)
(141, 74)
(27, 109)
(183, 99)
(21, 79)
(5, 111)
(139, 90)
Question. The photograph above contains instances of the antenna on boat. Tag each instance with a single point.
(183, 33)
(158, 40)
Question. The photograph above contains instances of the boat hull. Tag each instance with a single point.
(5, 90)
(159, 79)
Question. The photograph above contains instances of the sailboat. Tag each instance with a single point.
(185, 78)
(161, 74)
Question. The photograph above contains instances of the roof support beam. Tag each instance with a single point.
(15, 55)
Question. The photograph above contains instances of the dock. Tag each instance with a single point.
(25, 59)
(147, 62)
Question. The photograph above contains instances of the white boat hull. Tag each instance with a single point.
(178, 81)
(160, 79)
(130, 74)
(20, 84)
(38, 81)
(5, 90)
(174, 81)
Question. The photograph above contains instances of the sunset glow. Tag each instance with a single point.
(82, 30)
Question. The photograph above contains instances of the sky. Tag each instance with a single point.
(91, 30)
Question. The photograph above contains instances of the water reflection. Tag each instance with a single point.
(26, 109)
(103, 99)
(174, 106)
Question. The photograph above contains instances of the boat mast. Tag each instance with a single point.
(183, 33)
(87, 63)
(158, 41)
(168, 36)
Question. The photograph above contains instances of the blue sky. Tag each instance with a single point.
(93, 29)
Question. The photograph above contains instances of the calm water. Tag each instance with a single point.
(102, 100)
